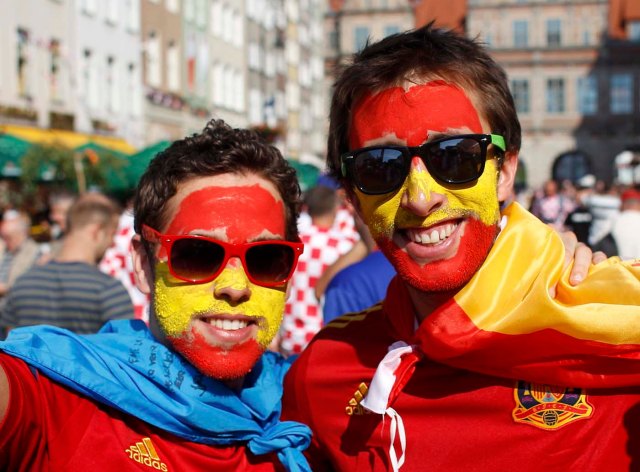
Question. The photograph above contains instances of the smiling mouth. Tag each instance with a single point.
(234, 323)
(434, 234)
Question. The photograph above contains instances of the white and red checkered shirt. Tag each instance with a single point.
(117, 263)
(322, 246)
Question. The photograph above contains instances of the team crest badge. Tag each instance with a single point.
(549, 407)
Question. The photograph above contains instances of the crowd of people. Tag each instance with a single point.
(403, 314)
(605, 217)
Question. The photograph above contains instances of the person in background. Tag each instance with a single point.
(471, 362)
(69, 291)
(552, 206)
(580, 219)
(626, 229)
(19, 252)
(604, 204)
(118, 262)
(324, 243)
(216, 242)
(360, 284)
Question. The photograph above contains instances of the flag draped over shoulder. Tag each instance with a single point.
(505, 323)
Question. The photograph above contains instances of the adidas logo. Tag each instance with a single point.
(354, 407)
(144, 453)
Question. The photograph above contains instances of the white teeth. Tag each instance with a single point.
(434, 237)
(229, 325)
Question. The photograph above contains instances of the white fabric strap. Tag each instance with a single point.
(396, 427)
(377, 399)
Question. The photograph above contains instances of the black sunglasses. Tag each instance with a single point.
(199, 259)
(459, 159)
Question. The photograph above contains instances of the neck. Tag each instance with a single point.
(76, 249)
(323, 221)
(425, 303)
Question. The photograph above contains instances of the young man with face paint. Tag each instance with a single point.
(473, 361)
(216, 243)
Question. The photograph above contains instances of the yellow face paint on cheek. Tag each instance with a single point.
(176, 303)
(382, 212)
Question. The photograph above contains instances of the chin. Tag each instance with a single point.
(449, 274)
(217, 362)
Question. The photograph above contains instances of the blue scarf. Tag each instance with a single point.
(124, 367)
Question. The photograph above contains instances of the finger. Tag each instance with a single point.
(598, 257)
(570, 242)
(581, 264)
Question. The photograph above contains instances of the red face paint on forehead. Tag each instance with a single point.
(410, 115)
(244, 212)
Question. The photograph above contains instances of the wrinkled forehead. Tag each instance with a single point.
(409, 114)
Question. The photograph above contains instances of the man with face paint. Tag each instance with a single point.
(216, 243)
(482, 356)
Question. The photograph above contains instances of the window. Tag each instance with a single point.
(588, 95)
(90, 7)
(112, 11)
(133, 102)
(554, 38)
(153, 60)
(621, 93)
(520, 91)
(173, 6)
(23, 67)
(54, 69)
(520, 33)
(215, 18)
(173, 67)
(91, 79)
(132, 15)
(113, 85)
(555, 96)
(189, 10)
(361, 34)
(217, 85)
(255, 106)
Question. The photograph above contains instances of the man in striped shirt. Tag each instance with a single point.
(69, 291)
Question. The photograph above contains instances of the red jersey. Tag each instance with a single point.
(454, 419)
(49, 427)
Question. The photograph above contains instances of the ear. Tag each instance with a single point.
(142, 269)
(507, 176)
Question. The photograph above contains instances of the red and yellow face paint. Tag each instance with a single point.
(236, 209)
(422, 204)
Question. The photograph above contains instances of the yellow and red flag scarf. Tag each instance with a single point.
(504, 322)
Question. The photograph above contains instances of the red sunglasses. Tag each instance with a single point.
(199, 259)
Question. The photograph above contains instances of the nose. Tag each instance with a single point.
(419, 196)
(232, 284)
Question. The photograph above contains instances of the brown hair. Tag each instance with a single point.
(427, 52)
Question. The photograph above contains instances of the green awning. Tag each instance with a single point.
(11, 151)
(307, 174)
(139, 161)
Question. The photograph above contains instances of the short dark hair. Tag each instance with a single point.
(92, 207)
(218, 149)
(423, 52)
(320, 200)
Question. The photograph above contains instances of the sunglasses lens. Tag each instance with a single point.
(270, 263)
(196, 259)
(456, 160)
(379, 170)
